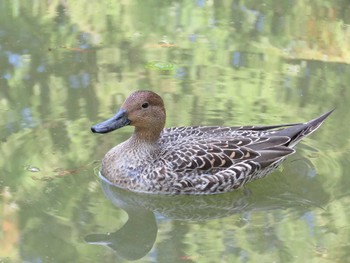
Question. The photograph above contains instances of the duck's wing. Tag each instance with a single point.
(219, 153)
(212, 147)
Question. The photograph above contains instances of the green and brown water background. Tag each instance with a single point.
(66, 65)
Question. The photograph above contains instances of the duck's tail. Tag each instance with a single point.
(299, 131)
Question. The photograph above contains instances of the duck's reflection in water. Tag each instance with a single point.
(296, 188)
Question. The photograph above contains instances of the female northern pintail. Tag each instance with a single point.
(192, 160)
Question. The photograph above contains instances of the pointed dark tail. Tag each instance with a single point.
(297, 132)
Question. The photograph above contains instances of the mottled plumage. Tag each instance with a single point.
(192, 160)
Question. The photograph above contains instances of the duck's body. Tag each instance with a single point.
(192, 160)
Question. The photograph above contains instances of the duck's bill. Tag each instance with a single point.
(117, 121)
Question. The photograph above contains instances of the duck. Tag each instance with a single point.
(194, 159)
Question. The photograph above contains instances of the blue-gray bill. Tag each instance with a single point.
(117, 121)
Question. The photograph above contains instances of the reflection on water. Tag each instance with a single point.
(67, 64)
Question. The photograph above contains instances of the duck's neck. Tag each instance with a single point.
(145, 136)
(139, 146)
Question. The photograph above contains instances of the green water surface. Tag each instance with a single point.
(66, 65)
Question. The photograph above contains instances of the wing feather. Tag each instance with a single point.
(208, 148)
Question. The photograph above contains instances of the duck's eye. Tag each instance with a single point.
(145, 105)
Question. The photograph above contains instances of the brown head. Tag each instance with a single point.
(142, 109)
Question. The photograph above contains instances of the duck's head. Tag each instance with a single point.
(142, 109)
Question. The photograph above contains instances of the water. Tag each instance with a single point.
(66, 66)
